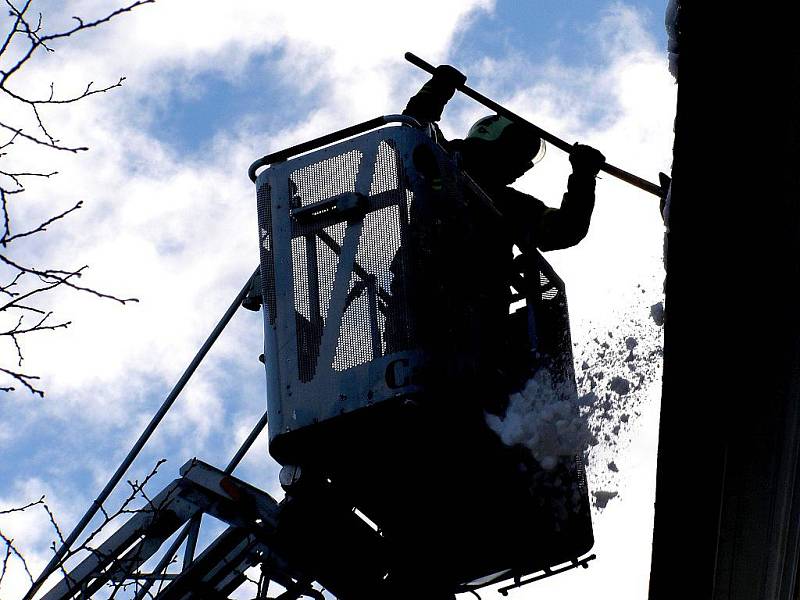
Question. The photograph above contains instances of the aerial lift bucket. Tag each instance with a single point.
(376, 345)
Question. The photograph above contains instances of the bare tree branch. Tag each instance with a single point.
(53, 521)
(19, 330)
(52, 100)
(38, 41)
(11, 549)
(39, 228)
(4, 567)
(22, 508)
(56, 277)
(26, 34)
(14, 28)
(22, 378)
(49, 143)
(137, 501)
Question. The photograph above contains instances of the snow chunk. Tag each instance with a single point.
(544, 417)
(620, 385)
(657, 313)
(601, 498)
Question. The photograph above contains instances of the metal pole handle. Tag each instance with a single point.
(545, 135)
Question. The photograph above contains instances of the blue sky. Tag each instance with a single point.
(541, 31)
(170, 218)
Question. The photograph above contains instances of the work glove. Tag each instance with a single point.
(585, 160)
(449, 76)
(428, 103)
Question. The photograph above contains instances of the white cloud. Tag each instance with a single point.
(179, 232)
(31, 530)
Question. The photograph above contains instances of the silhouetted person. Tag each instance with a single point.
(457, 284)
(494, 153)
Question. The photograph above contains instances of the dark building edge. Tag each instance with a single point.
(727, 501)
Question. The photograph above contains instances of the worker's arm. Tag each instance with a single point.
(428, 103)
(563, 227)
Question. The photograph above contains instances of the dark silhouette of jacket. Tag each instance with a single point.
(467, 285)
(533, 224)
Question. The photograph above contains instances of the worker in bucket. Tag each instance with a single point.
(496, 152)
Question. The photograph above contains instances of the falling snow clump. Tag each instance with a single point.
(601, 498)
(616, 378)
(620, 385)
(544, 417)
(657, 313)
(555, 421)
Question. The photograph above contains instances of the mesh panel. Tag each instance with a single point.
(548, 290)
(380, 240)
(315, 256)
(327, 259)
(264, 198)
(371, 294)
(300, 267)
(314, 268)
(385, 175)
(376, 287)
(326, 178)
(580, 474)
(355, 338)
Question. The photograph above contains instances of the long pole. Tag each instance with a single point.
(137, 447)
(634, 180)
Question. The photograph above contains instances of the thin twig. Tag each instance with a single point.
(42, 227)
(48, 144)
(22, 508)
(37, 41)
(23, 379)
(10, 545)
(25, 36)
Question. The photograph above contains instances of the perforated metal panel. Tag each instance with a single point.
(334, 230)
(551, 317)
(264, 199)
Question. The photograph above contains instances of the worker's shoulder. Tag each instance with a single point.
(512, 192)
(519, 203)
